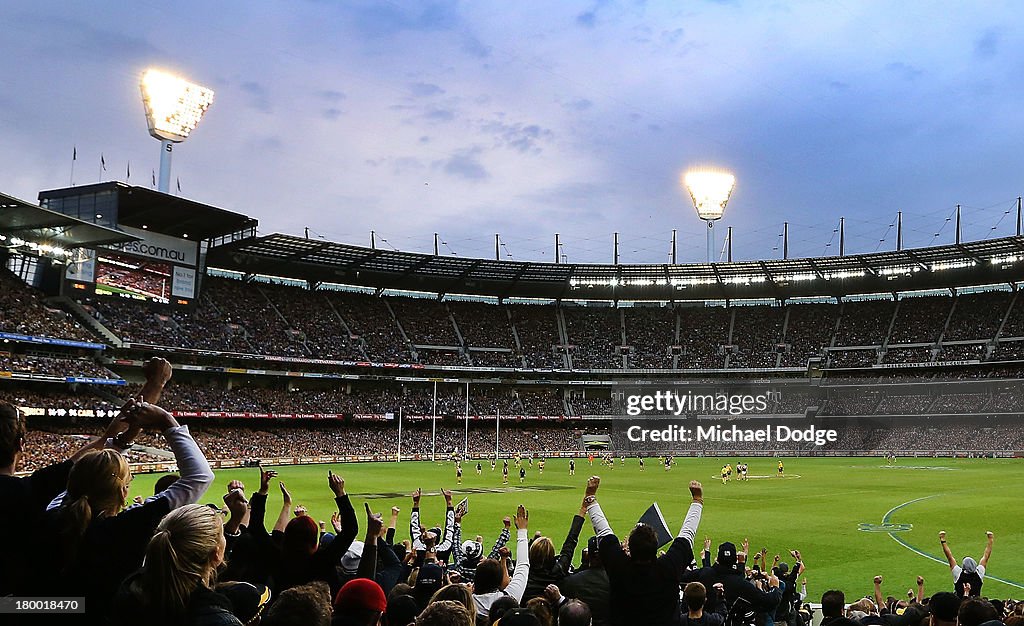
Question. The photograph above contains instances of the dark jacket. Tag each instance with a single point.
(644, 593)
(24, 503)
(291, 570)
(205, 608)
(736, 586)
(541, 577)
(591, 586)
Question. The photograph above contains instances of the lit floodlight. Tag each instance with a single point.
(710, 190)
(174, 107)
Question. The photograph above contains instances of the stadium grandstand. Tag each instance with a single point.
(323, 343)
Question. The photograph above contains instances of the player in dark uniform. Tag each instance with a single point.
(479, 468)
(504, 473)
(522, 474)
(458, 473)
(641, 464)
(572, 467)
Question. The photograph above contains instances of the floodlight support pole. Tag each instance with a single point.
(558, 246)
(435, 244)
(958, 224)
(399, 434)
(899, 231)
(842, 236)
(729, 248)
(166, 151)
(1018, 216)
(497, 433)
(711, 241)
(465, 447)
(673, 246)
(615, 249)
(497, 244)
(433, 427)
(373, 240)
(785, 240)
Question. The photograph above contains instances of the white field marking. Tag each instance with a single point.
(885, 520)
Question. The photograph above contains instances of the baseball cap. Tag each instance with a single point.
(350, 560)
(361, 594)
(727, 553)
(247, 600)
(783, 568)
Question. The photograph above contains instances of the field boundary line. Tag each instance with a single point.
(888, 515)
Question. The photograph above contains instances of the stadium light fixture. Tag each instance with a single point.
(174, 107)
(710, 190)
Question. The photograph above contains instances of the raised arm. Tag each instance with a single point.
(445, 545)
(502, 539)
(988, 550)
(195, 471)
(920, 589)
(572, 538)
(879, 598)
(368, 562)
(286, 509)
(946, 550)
(593, 509)
(349, 524)
(680, 553)
(517, 587)
(414, 523)
(258, 513)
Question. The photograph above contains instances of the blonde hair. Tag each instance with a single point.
(179, 558)
(456, 593)
(95, 490)
(542, 552)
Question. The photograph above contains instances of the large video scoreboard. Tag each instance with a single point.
(157, 268)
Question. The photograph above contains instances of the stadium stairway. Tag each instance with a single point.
(86, 320)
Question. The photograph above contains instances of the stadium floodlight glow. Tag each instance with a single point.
(710, 190)
(174, 107)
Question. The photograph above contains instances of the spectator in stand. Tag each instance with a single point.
(644, 586)
(487, 585)
(944, 608)
(695, 596)
(29, 496)
(740, 594)
(305, 605)
(590, 584)
(445, 613)
(969, 576)
(361, 602)
(293, 556)
(89, 517)
(545, 567)
(175, 584)
(833, 603)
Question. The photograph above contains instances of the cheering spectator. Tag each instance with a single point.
(175, 585)
(487, 585)
(969, 576)
(89, 517)
(644, 586)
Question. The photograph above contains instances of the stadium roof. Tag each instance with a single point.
(36, 224)
(941, 267)
(140, 207)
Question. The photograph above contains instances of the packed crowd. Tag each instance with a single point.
(181, 562)
(261, 318)
(22, 311)
(53, 366)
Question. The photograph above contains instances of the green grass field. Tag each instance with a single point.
(829, 509)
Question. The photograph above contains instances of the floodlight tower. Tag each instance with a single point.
(710, 191)
(174, 107)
